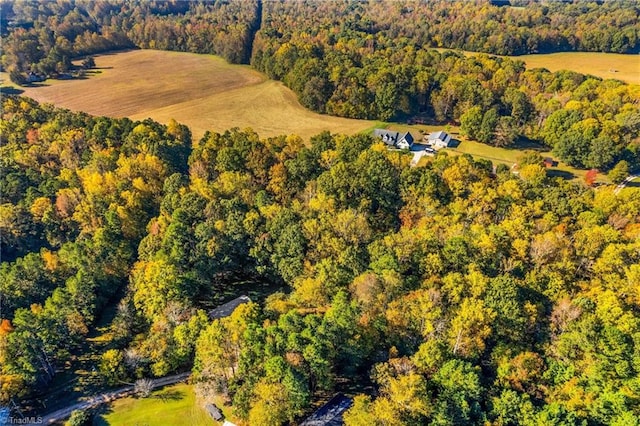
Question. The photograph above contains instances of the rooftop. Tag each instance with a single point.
(228, 308)
(437, 135)
(330, 414)
(213, 411)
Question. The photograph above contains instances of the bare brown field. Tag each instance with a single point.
(202, 91)
(604, 65)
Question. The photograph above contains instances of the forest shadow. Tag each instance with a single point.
(170, 395)
(228, 289)
(116, 51)
(37, 85)
(524, 143)
(10, 91)
(633, 184)
(98, 417)
(561, 174)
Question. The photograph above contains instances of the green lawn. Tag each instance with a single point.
(480, 150)
(173, 405)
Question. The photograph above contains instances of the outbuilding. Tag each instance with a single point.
(228, 308)
(439, 139)
(214, 412)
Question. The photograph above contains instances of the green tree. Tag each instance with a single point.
(619, 172)
(471, 122)
(488, 126)
(112, 367)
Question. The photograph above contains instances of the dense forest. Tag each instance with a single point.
(456, 292)
(358, 60)
(466, 294)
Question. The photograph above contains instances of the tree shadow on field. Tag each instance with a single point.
(98, 416)
(37, 85)
(561, 174)
(10, 91)
(170, 395)
(454, 143)
(523, 143)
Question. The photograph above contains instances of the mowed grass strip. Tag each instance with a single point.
(173, 405)
(202, 91)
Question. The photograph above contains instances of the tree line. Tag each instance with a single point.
(372, 60)
(462, 292)
(43, 37)
(341, 61)
(49, 33)
(76, 194)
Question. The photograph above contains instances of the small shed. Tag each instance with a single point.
(439, 139)
(228, 308)
(549, 162)
(214, 412)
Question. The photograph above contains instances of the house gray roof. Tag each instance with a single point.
(391, 137)
(387, 136)
(330, 414)
(214, 412)
(437, 135)
(228, 308)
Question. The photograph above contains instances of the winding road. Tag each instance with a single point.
(625, 182)
(96, 400)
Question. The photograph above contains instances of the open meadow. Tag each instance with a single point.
(173, 405)
(207, 93)
(604, 65)
(202, 91)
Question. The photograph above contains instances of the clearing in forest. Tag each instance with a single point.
(202, 91)
(604, 65)
(173, 405)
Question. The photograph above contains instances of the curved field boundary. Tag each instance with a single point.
(202, 91)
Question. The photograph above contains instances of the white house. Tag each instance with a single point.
(394, 139)
(439, 139)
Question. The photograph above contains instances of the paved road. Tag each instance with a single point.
(96, 400)
(625, 182)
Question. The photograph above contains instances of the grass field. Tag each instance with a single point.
(173, 405)
(201, 91)
(603, 65)
(510, 157)
(206, 93)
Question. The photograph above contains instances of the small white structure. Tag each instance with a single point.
(439, 139)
